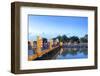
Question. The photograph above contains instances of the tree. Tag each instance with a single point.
(74, 39)
(44, 40)
(60, 38)
(54, 39)
(65, 38)
(84, 39)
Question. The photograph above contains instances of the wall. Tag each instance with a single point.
(5, 33)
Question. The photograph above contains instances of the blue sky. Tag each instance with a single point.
(52, 26)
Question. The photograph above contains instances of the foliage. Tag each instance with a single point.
(74, 39)
(44, 40)
(84, 39)
(71, 39)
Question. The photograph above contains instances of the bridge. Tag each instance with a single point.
(39, 53)
(43, 52)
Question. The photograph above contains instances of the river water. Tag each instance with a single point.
(72, 53)
(64, 53)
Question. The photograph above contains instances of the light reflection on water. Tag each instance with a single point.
(72, 53)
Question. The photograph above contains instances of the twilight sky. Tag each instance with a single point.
(52, 26)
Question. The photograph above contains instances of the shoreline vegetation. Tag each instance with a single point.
(45, 45)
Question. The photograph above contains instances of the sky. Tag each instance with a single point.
(52, 26)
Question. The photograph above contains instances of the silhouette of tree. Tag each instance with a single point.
(74, 39)
(44, 40)
(65, 38)
(60, 38)
(84, 39)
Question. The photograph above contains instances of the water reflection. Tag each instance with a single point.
(72, 53)
(61, 52)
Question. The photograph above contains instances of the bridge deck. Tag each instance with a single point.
(50, 55)
(32, 57)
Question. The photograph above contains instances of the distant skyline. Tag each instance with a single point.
(52, 26)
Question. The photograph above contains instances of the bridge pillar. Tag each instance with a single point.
(51, 43)
(39, 46)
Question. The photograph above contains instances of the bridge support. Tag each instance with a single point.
(51, 42)
(39, 46)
